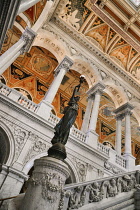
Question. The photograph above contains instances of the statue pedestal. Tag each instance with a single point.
(45, 185)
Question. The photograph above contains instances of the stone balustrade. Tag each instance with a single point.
(121, 161)
(53, 119)
(103, 148)
(77, 195)
(4, 89)
(18, 97)
(79, 135)
(25, 102)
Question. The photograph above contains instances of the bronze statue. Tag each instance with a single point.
(62, 129)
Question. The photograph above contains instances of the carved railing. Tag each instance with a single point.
(16, 96)
(53, 119)
(4, 89)
(78, 195)
(78, 134)
(103, 148)
(121, 161)
(25, 102)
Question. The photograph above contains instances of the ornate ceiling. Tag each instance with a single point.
(111, 26)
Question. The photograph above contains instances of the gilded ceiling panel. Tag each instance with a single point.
(111, 39)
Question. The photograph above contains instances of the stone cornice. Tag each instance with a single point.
(29, 114)
(97, 87)
(122, 109)
(93, 50)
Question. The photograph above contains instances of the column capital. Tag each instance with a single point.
(97, 88)
(124, 109)
(66, 63)
(28, 37)
(119, 116)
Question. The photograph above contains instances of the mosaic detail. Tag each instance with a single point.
(121, 54)
(2, 80)
(99, 34)
(41, 64)
(112, 33)
(24, 93)
(105, 130)
(41, 89)
(18, 74)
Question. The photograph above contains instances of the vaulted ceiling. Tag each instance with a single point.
(111, 26)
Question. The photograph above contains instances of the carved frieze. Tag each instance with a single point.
(108, 166)
(96, 191)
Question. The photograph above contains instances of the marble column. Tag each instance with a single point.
(20, 47)
(118, 144)
(127, 132)
(125, 110)
(26, 4)
(87, 115)
(46, 185)
(46, 105)
(95, 92)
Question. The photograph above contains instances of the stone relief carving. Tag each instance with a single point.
(51, 184)
(37, 147)
(98, 190)
(112, 168)
(81, 169)
(20, 138)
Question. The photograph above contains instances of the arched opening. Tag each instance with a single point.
(4, 147)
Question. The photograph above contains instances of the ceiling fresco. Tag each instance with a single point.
(82, 17)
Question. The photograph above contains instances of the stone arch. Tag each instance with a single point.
(116, 93)
(90, 72)
(51, 43)
(7, 139)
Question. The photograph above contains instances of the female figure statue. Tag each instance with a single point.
(62, 129)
